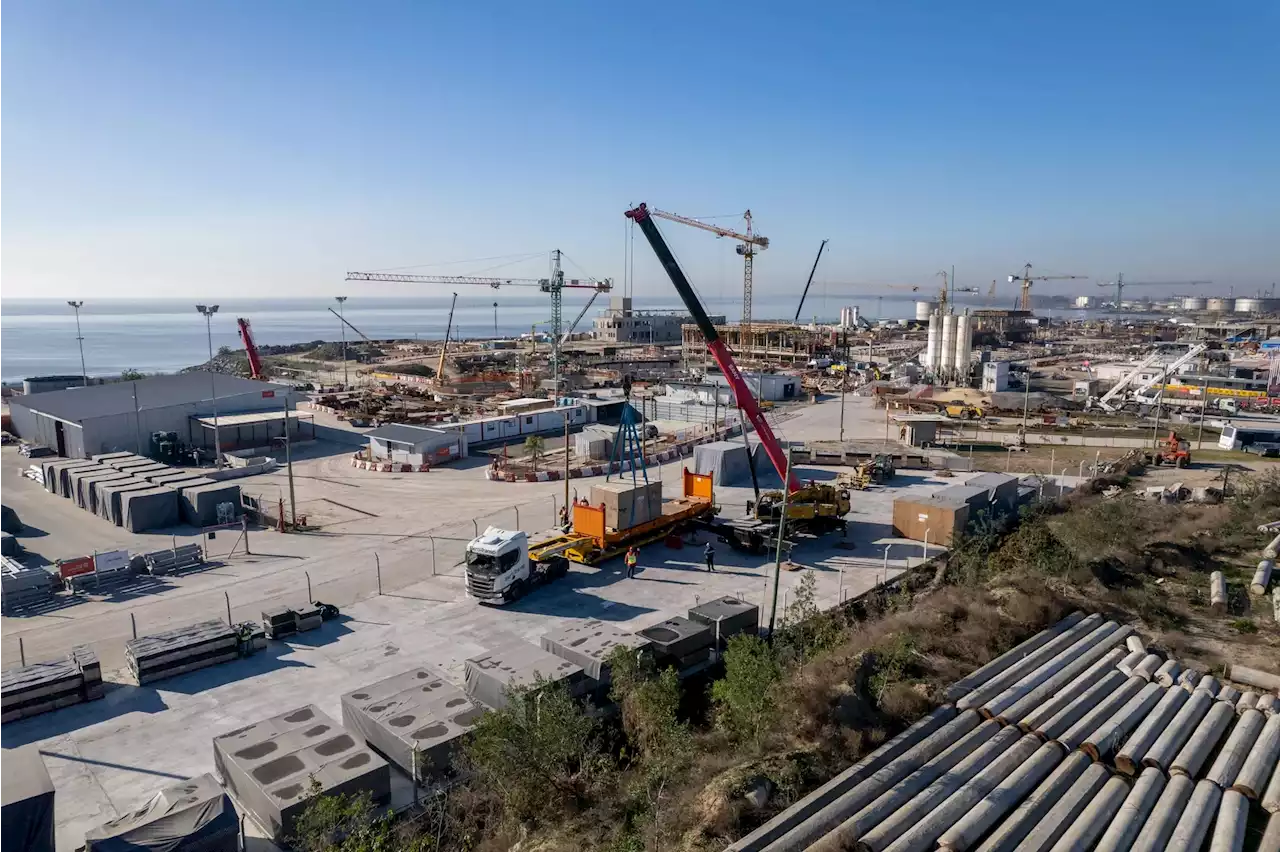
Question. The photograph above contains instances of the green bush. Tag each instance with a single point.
(350, 824)
(745, 698)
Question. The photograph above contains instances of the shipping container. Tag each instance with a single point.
(933, 519)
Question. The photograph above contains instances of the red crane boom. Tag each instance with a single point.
(246, 337)
(643, 217)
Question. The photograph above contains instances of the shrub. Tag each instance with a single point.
(745, 697)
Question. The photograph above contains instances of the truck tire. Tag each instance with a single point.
(518, 590)
(1182, 461)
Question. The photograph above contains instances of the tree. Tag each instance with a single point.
(745, 698)
(131, 375)
(806, 630)
(534, 447)
(224, 351)
(346, 823)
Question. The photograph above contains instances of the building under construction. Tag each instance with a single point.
(783, 342)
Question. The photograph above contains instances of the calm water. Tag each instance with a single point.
(38, 336)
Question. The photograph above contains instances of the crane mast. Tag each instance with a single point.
(444, 347)
(250, 349)
(743, 397)
(1026, 279)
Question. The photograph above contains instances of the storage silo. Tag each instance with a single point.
(1193, 303)
(924, 310)
(1220, 305)
(931, 346)
(1250, 306)
(947, 345)
(964, 346)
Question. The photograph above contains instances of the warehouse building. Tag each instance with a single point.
(80, 422)
(415, 444)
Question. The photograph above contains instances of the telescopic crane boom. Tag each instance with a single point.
(246, 337)
(803, 295)
(643, 217)
(350, 326)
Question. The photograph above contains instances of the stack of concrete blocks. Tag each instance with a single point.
(680, 642)
(590, 643)
(270, 767)
(22, 587)
(41, 687)
(493, 675)
(728, 462)
(307, 617)
(159, 563)
(628, 504)
(283, 621)
(416, 719)
(727, 617)
(186, 649)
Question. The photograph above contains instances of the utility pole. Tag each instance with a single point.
(1204, 405)
(568, 510)
(288, 463)
(343, 326)
(80, 339)
(495, 319)
(777, 560)
(208, 311)
(1155, 430)
(844, 382)
(1026, 396)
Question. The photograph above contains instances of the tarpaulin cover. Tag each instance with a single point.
(269, 766)
(491, 674)
(191, 816)
(135, 463)
(55, 474)
(417, 708)
(732, 615)
(678, 636)
(726, 461)
(150, 471)
(26, 814)
(85, 496)
(107, 458)
(109, 497)
(200, 502)
(152, 509)
(76, 474)
(176, 476)
(589, 644)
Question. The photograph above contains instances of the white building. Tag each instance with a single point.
(415, 444)
(995, 376)
(620, 324)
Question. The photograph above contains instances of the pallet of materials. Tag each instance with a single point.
(41, 687)
(195, 814)
(110, 568)
(279, 622)
(680, 642)
(628, 504)
(199, 503)
(85, 495)
(85, 659)
(77, 474)
(28, 802)
(270, 767)
(416, 712)
(151, 509)
(307, 617)
(186, 649)
(22, 587)
(490, 676)
(727, 617)
(172, 561)
(589, 643)
(110, 506)
(55, 474)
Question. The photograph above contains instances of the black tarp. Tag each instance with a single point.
(152, 509)
(191, 816)
(26, 817)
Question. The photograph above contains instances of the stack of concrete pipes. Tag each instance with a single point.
(1077, 739)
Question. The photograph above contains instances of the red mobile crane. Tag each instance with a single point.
(246, 337)
(643, 217)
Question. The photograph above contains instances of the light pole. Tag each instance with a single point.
(495, 319)
(207, 311)
(342, 325)
(80, 339)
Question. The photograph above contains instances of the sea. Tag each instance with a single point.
(38, 336)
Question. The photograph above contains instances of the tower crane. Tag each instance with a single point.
(555, 285)
(945, 295)
(748, 244)
(1120, 284)
(991, 293)
(1026, 278)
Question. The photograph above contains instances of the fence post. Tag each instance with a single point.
(133, 622)
(517, 511)
(228, 597)
(22, 652)
(377, 566)
(308, 576)
(476, 527)
(433, 554)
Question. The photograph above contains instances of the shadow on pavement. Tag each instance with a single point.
(118, 700)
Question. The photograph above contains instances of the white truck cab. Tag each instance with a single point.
(499, 569)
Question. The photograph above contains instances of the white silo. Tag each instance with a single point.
(1248, 306)
(947, 346)
(1220, 305)
(931, 346)
(1193, 303)
(924, 310)
(964, 347)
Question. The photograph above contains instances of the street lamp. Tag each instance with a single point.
(207, 311)
(495, 319)
(80, 339)
(342, 326)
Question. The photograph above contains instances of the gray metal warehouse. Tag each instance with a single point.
(79, 422)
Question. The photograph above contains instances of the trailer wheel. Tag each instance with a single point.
(1182, 461)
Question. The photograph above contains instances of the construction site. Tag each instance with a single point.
(1011, 570)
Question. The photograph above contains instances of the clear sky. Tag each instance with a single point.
(248, 148)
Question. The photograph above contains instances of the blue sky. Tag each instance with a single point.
(154, 149)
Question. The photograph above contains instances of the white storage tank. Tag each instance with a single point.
(931, 346)
(1257, 306)
(924, 310)
(1219, 305)
(947, 345)
(1193, 303)
(964, 346)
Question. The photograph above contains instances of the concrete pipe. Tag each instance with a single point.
(1271, 796)
(1262, 577)
(1072, 660)
(1106, 738)
(1193, 826)
(1268, 704)
(1229, 694)
(856, 798)
(925, 821)
(1209, 685)
(1228, 830)
(845, 781)
(1129, 758)
(1128, 821)
(1017, 654)
(1178, 731)
(1272, 550)
(1047, 651)
(1271, 836)
(1247, 701)
(1204, 739)
(1260, 765)
(1164, 815)
(1236, 749)
(1049, 688)
(1130, 660)
(1218, 592)
(1264, 681)
(1188, 679)
(1094, 819)
(898, 797)
(1275, 604)
(1135, 643)
(1069, 693)
(1074, 737)
(1065, 811)
(1147, 666)
(1062, 721)
(1167, 673)
(1013, 789)
(1009, 834)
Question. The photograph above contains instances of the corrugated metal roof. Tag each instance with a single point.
(79, 404)
(403, 434)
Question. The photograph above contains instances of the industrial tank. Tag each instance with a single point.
(964, 346)
(1220, 305)
(1193, 303)
(931, 346)
(947, 346)
(1257, 306)
(924, 310)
